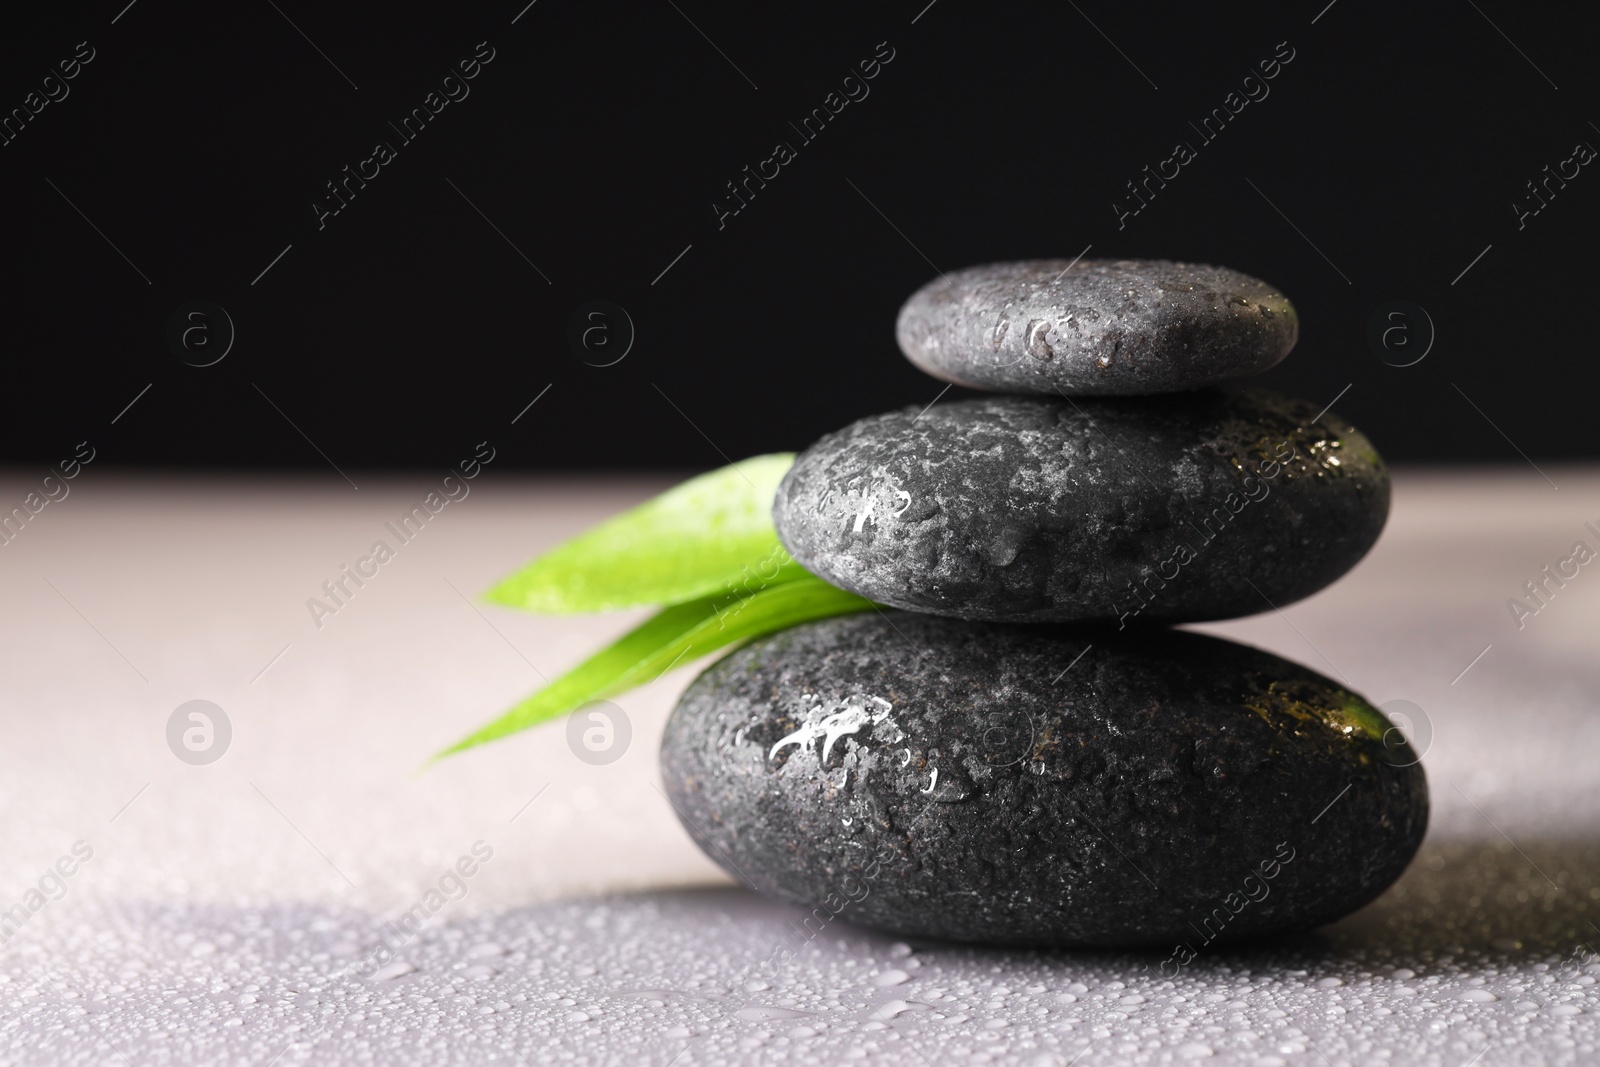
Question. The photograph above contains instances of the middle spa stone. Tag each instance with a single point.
(1174, 508)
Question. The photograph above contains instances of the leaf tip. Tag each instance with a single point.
(504, 594)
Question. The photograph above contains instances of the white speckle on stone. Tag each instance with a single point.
(833, 721)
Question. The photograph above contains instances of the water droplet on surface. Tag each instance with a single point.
(889, 1009)
(767, 1014)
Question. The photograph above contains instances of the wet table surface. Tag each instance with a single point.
(248, 910)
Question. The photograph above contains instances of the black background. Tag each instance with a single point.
(600, 136)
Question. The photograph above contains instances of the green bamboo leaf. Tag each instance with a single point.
(712, 534)
(671, 638)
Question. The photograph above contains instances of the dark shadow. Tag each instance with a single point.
(1488, 901)
(1478, 903)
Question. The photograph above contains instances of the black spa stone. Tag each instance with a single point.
(1095, 327)
(1038, 786)
(1176, 508)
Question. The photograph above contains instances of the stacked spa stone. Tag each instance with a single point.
(1023, 754)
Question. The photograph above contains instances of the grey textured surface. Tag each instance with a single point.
(210, 929)
(1095, 327)
(1199, 506)
(1031, 786)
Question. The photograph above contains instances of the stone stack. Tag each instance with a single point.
(1022, 754)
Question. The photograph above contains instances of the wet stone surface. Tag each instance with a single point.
(1095, 327)
(1041, 786)
(1031, 509)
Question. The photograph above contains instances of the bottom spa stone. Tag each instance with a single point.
(1025, 785)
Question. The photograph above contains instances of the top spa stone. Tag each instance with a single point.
(1126, 327)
